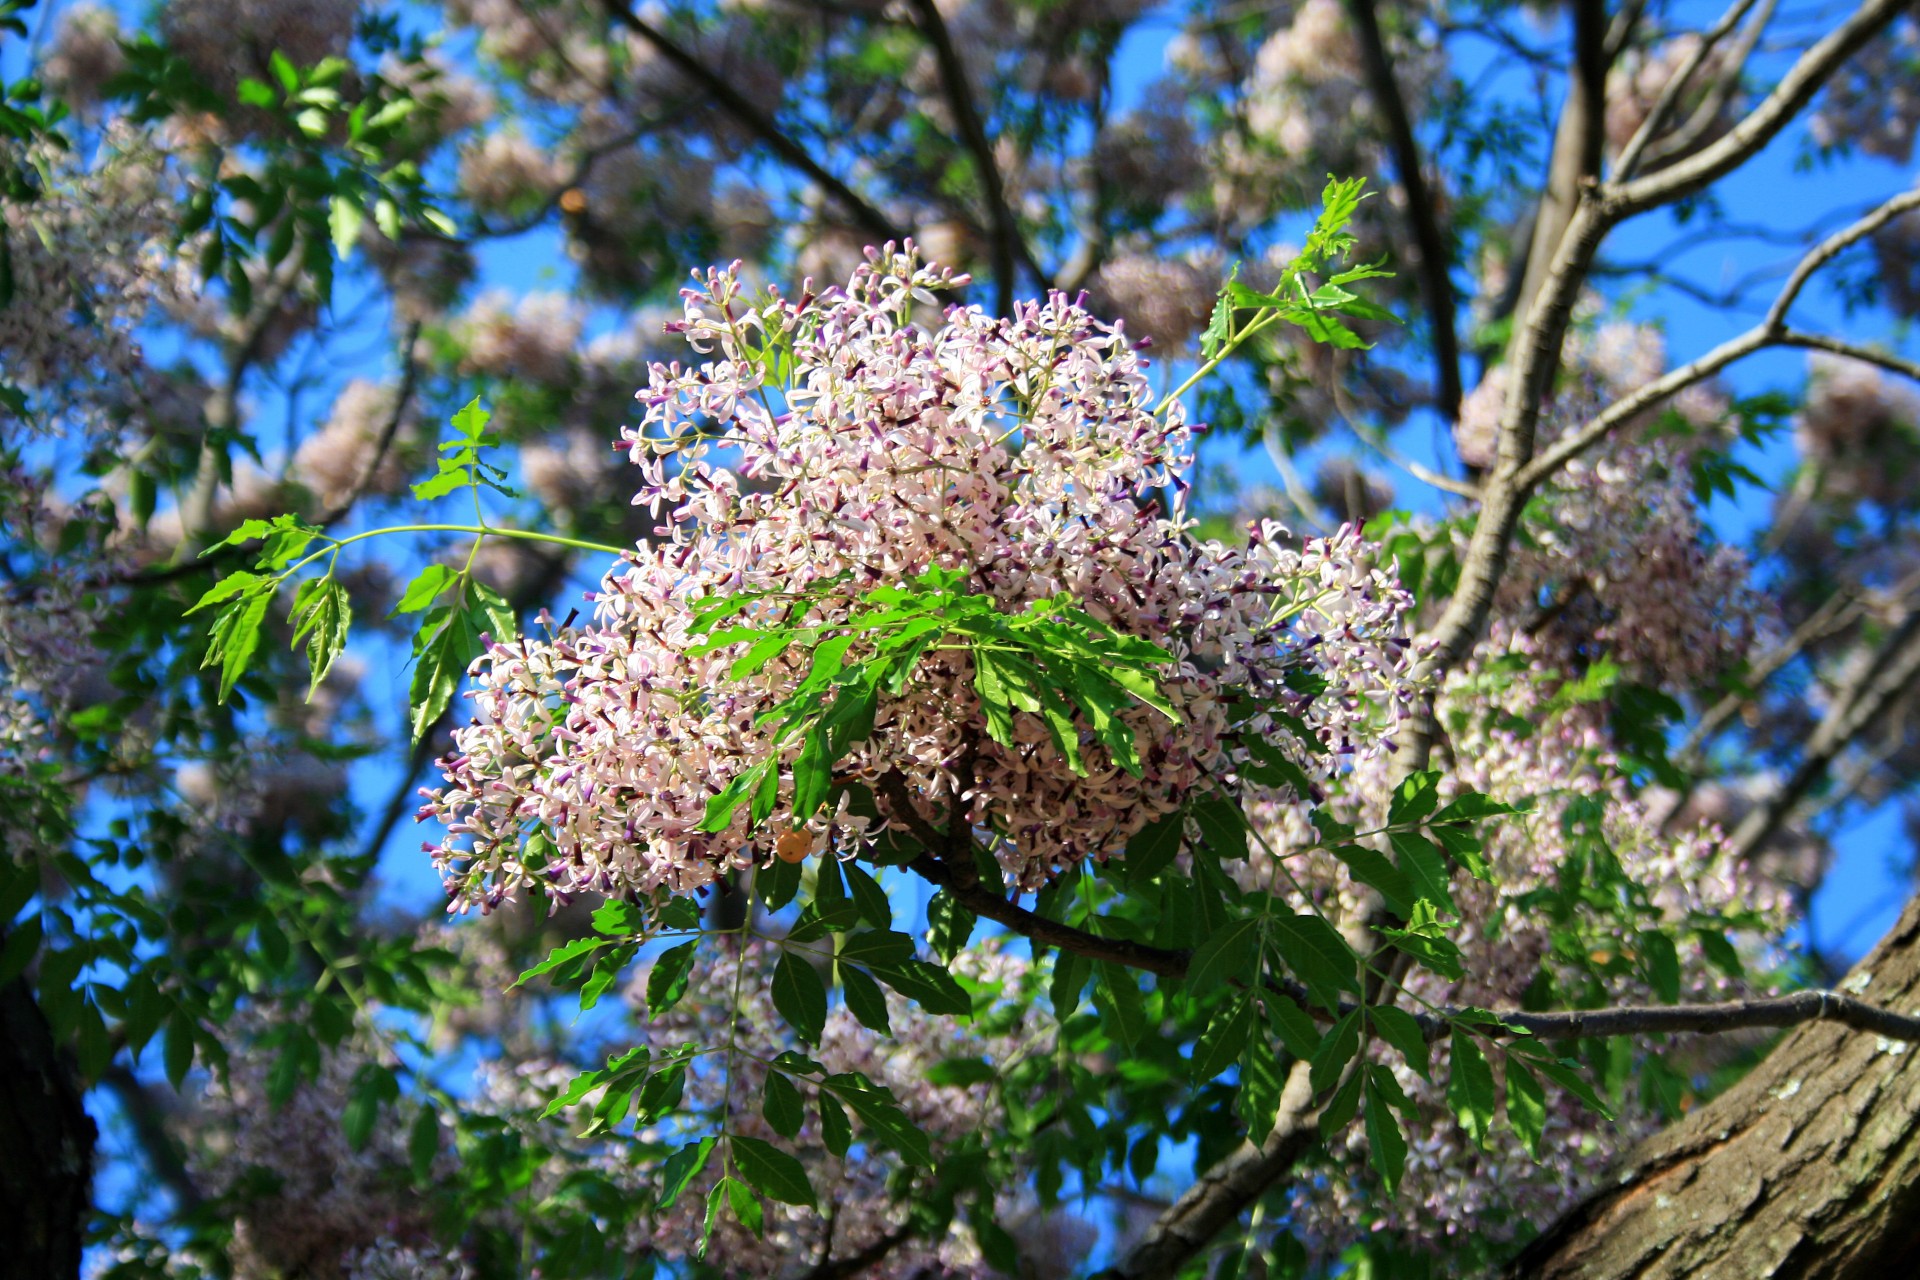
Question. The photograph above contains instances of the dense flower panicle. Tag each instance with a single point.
(1165, 299)
(87, 262)
(1873, 103)
(1022, 451)
(1860, 431)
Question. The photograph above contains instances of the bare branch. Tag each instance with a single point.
(756, 121)
(1770, 332)
(1436, 284)
(1676, 85)
(1225, 1191)
(1763, 123)
(1893, 672)
(409, 378)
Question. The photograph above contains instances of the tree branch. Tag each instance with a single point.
(1637, 146)
(1436, 282)
(1763, 123)
(756, 121)
(1771, 331)
(1009, 247)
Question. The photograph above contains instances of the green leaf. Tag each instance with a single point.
(1340, 1046)
(1153, 848)
(880, 1112)
(427, 586)
(560, 955)
(1125, 1007)
(1262, 1081)
(372, 1085)
(836, 1131)
(1223, 827)
(958, 1073)
(1342, 1107)
(1562, 1072)
(1471, 807)
(1069, 978)
(1295, 1027)
(1225, 1038)
(179, 1051)
(1526, 1105)
(800, 997)
(868, 897)
(1416, 797)
(864, 999)
(444, 647)
(1372, 867)
(1226, 955)
(235, 635)
(771, 1171)
(1425, 940)
(667, 980)
(497, 614)
(927, 985)
(1660, 960)
(423, 1144)
(1470, 1090)
(1426, 869)
(681, 1168)
(1402, 1030)
(1386, 1145)
(949, 925)
(740, 1198)
(321, 607)
(1317, 955)
(344, 220)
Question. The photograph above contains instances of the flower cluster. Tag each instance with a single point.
(1023, 452)
(1511, 740)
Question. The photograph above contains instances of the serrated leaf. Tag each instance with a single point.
(1342, 1107)
(1064, 985)
(927, 985)
(1402, 1030)
(771, 1171)
(1222, 826)
(1660, 960)
(800, 997)
(1417, 796)
(1295, 1027)
(1470, 1090)
(1372, 867)
(427, 586)
(1262, 1081)
(1337, 1048)
(560, 955)
(1425, 867)
(880, 1112)
(1225, 1038)
(1226, 955)
(1318, 956)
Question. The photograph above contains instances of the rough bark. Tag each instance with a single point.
(46, 1147)
(1809, 1167)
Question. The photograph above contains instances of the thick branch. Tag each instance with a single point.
(1008, 246)
(1436, 284)
(756, 121)
(46, 1145)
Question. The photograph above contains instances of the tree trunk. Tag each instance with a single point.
(46, 1147)
(1809, 1167)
